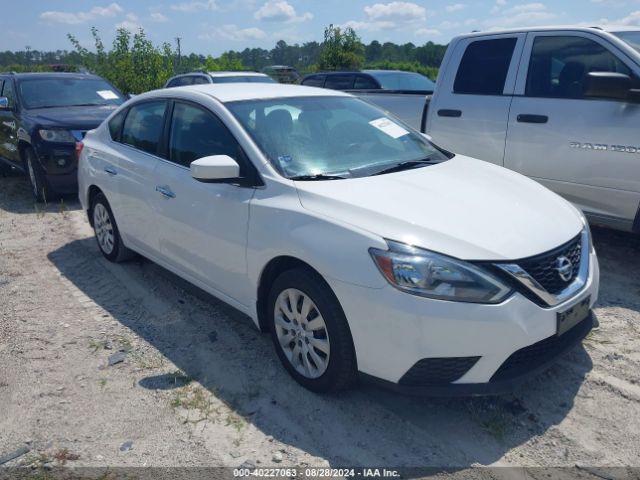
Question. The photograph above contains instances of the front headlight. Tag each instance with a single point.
(428, 274)
(58, 136)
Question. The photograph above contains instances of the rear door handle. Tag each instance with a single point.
(528, 118)
(450, 113)
(110, 170)
(165, 191)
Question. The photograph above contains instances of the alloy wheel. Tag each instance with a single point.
(103, 228)
(302, 333)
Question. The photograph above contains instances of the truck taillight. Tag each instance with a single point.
(79, 147)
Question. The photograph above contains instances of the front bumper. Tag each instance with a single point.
(60, 165)
(393, 331)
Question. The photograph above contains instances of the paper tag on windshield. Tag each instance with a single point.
(107, 94)
(389, 127)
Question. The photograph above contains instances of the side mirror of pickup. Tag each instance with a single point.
(215, 169)
(610, 85)
(4, 104)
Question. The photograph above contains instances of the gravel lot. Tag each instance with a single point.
(200, 386)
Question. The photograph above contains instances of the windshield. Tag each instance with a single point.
(404, 81)
(67, 92)
(330, 136)
(632, 38)
(244, 78)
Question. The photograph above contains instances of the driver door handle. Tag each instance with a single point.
(110, 170)
(165, 191)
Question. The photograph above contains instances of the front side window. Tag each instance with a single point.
(9, 92)
(197, 133)
(559, 66)
(314, 81)
(484, 67)
(143, 126)
(330, 136)
(68, 92)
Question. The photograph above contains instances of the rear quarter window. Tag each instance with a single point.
(484, 67)
(314, 81)
(339, 82)
(115, 125)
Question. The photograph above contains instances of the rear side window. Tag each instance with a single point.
(197, 133)
(143, 126)
(364, 82)
(484, 67)
(339, 82)
(200, 80)
(314, 81)
(559, 66)
(115, 125)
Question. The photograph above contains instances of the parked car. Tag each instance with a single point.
(560, 105)
(282, 73)
(198, 78)
(360, 245)
(42, 116)
(405, 94)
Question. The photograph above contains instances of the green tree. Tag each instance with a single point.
(341, 49)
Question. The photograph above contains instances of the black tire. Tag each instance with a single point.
(118, 252)
(341, 370)
(40, 188)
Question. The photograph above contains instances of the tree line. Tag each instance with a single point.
(134, 64)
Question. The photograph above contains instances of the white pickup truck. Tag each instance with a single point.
(560, 105)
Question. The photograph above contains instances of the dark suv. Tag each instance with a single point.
(42, 117)
(389, 80)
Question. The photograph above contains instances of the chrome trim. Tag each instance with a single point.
(520, 275)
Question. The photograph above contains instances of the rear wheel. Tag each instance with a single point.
(310, 332)
(106, 230)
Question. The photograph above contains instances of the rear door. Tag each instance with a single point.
(469, 109)
(137, 155)
(586, 149)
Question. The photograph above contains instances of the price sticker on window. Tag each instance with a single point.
(389, 127)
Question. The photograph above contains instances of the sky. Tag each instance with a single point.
(214, 26)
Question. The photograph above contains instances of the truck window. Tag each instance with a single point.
(559, 66)
(484, 67)
(9, 92)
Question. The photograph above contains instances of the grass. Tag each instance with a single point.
(495, 425)
(63, 455)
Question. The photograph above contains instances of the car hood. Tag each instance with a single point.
(83, 118)
(463, 207)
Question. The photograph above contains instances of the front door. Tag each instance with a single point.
(586, 149)
(8, 124)
(202, 227)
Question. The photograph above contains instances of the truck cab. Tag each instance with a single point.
(558, 104)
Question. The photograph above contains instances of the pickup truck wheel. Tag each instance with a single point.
(106, 230)
(39, 185)
(310, 332)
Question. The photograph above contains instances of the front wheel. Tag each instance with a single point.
(40, 188)
(310, 332)
(106, 230)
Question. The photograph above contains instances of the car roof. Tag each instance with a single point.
(579, 28)
(237, 74)
(27, 75)
(385, 71)
(231, 92)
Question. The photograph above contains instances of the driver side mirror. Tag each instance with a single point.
(4, 104)
(215, 169)
(610, 85)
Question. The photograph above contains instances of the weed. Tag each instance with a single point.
(495, 425)
(63, 455)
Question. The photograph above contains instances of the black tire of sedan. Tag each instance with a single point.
(106, 231)
(37, 178)
(310, 332)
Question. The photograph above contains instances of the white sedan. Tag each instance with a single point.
(358, 244)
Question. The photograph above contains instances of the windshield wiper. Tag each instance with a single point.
(405, 166)
(317, 176)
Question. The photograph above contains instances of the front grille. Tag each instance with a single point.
(437, 371)
(543, 268)
(534, 356)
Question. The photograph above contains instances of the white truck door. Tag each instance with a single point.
(470, 106)
(586, 149)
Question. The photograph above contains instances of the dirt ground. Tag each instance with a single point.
(200, 386)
